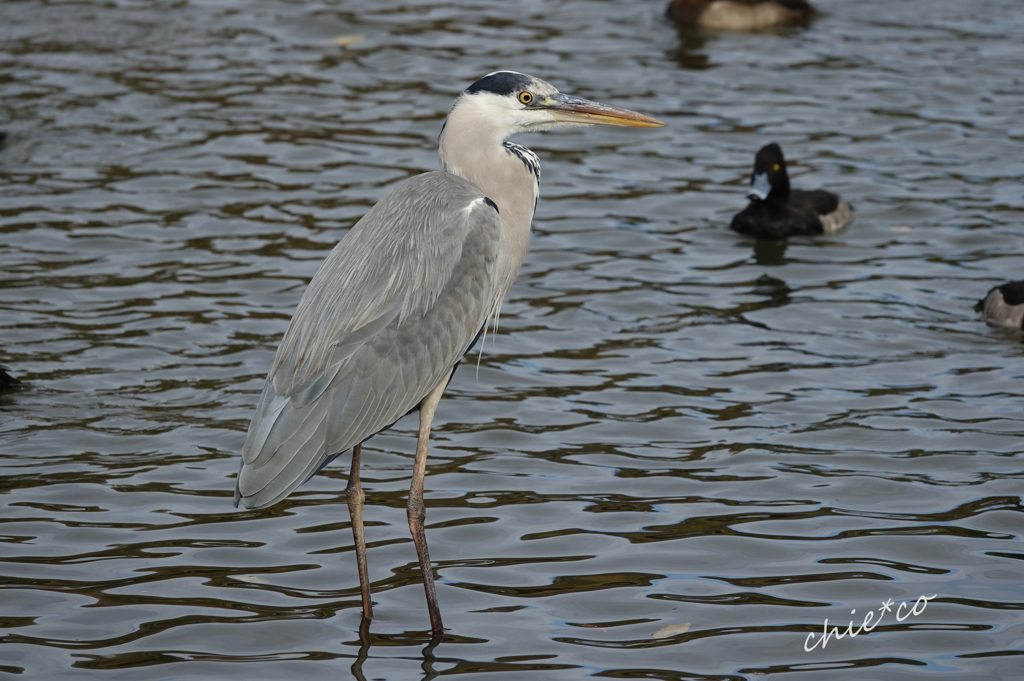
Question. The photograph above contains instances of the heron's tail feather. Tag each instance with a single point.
(287, 442)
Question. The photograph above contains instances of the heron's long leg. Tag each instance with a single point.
(354, 493)
(415, 508)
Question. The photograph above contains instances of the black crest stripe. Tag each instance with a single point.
(500, 83)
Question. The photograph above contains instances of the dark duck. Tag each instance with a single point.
(739, 15)
(6, 380)
(1004, 304)
(776, 211)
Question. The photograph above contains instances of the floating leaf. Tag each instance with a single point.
(252, 579)
(344, 40)
(671, 630)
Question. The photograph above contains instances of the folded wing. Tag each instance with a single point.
(395, 305)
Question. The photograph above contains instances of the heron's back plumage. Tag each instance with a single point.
(395, 305)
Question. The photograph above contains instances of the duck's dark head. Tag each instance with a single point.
(770, 177)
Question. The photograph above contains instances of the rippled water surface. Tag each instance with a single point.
(683, 452)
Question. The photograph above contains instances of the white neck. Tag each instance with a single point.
(471, 147)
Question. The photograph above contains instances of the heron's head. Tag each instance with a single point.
(511, 102)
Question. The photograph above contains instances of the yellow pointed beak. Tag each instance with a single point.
(569, 109)
(566, 109)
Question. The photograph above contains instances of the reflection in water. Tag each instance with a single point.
(664, 431)
(775, 290)
(364, 649)
(770, 252)
(429, 660)
(690, 50)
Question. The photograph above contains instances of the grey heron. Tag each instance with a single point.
(402, 297)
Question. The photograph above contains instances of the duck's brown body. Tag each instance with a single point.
(739, 15)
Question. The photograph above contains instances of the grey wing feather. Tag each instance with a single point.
(395, 306)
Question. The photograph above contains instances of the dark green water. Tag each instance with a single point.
(675, 426)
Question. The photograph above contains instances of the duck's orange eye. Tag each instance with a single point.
(775, 167)
(525, 97)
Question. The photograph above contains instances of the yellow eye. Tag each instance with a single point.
(525, 98)
(775, 167)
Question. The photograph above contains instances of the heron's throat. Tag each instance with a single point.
(474, 148)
